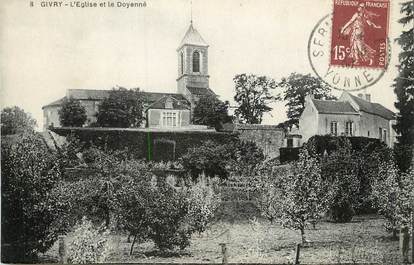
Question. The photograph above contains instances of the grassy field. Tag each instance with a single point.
(364, 240)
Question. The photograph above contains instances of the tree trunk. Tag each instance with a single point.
(132, 245)
(302, 233)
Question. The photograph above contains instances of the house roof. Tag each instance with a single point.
(200, 91)
(334, 107)
(192, 37)
(373, 108)
(89, 94)
(176, 104)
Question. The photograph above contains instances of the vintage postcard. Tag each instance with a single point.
(191, 131)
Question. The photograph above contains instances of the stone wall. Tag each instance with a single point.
(268, 137)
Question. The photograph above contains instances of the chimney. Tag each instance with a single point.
(368, 97)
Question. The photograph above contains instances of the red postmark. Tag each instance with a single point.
(359, 33)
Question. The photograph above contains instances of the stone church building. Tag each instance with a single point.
(162, 110)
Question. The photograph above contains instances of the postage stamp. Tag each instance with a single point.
(349, 49)
(359, 33)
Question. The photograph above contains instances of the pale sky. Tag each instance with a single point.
(47, 50)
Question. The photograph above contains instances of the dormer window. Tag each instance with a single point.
(196, 62)
(168, 103)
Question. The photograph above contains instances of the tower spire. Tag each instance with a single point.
(191, 12)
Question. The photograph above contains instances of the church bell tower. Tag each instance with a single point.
(192, 64)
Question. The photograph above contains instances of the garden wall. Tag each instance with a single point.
(146, 143)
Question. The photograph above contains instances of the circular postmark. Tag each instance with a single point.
(346, 77)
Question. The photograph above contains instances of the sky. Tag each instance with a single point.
(46, 50)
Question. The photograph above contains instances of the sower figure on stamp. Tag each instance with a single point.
(355, 27)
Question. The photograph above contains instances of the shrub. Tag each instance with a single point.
(237, 157)
(210, 159)
(89, 244)
(202, 204)
(16, 120)
(29, 173)
(168, 220)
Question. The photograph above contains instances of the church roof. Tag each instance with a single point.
(55, 103)
(192, 37)
(333, 107)
(200, 91)
(97, 95)
(373, 108)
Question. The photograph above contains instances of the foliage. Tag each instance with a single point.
(122, 109)
(385, 193)
(253, 95)
(237, 157)
(72, 113)
(271, 185)
(212, 112)
(406, 197)
(296, 88)
(202, 203)
(15, 120)
(404, 89)
(29, 173)
(338, 169)
(169, 225)
(245, 158)
(210, 159)
(89, 244)
(304, 194)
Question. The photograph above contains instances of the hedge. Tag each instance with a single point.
(145, 143)
(329, 143)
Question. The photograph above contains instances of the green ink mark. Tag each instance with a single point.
(149, 145)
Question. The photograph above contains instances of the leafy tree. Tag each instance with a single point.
(29, 173)
(211, 111)
(339, 170)
(296, 88)
(122, 109)
(245, 158)
(72, 113)
(253, 94)
(404, 89)
(16, 120)
(304, 197)
(210, 158)
(406, 197)
(385, 194)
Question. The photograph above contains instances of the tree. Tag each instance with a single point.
(385, 194)
(211, 111)
(296, 88)
(339, 170)
(253, 95)
(404, 89)
(304, 196)
(16, 120)
(72, 113)
(122, 109)
(29, 173)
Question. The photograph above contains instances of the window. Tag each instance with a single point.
(196, 62)
(169, 119)
(380, 133)
(289, 142)
(384, 135)
(182, 63)
(368, 133)
(349, 128)
(334, 128)
(168, 103)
